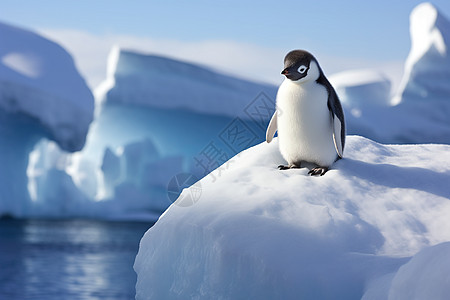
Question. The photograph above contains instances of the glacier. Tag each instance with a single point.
(258, 233)
(42, 95)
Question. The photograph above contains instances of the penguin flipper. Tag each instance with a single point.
(272, 128)
(337, 128)
(337, 120)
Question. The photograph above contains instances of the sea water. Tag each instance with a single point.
(68, 259)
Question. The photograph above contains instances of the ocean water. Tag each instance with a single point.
(68, 259)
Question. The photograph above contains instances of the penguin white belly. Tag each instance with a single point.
(304, 124)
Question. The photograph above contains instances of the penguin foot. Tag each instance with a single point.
(318, 171)
(290, 166)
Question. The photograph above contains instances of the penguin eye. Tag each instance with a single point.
(302, 69)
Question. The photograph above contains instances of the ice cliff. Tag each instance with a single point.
(41, 95)
(255, 232)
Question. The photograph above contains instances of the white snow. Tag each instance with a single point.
(139, 79)
(259, 233)
(425, 276)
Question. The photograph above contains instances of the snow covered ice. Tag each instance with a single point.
(260, 233)
(425, 276)
(376, 226)
(41, 95)
(42, 82)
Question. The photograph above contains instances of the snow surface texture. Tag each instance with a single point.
(256, 232)
(419, 112)
(41, 95)
(146, 79)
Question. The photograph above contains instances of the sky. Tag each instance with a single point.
(242, 38)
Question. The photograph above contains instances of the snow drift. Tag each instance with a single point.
(259, 233)
(41, 95)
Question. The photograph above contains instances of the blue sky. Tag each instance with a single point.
(347, 34)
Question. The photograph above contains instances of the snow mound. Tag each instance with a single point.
(426, 276)
(38, 79)
(161, 82)
(255, 232)
(358, 88)
(427, 68)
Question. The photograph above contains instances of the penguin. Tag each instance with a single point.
(308, 116)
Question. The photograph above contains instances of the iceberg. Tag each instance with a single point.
(427, 68)
(155, 119)
(259, 233)
(362, 88)
(136, 146)
(155, 81)
(42, 95)
(418, 112)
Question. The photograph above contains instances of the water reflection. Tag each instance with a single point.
(68, 259)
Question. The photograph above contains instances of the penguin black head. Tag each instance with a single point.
(300, 64)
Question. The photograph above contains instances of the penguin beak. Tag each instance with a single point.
(285, 72)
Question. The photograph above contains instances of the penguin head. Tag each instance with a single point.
(301, 66)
